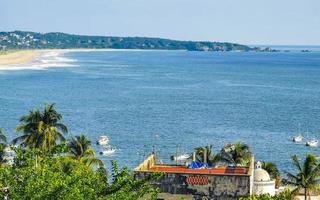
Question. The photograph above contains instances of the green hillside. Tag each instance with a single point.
(32, 40)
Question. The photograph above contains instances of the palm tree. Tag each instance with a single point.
(200, 151)
(80, 149)
(238, 154)
(3, 138)
(273, 171)
(3, 144)
(306, 177)
(41, 129)
(271, 168)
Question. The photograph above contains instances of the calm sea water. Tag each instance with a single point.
(167, 98)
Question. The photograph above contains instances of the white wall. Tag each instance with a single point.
(267, 187)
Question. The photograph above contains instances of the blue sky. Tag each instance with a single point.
(295, 22)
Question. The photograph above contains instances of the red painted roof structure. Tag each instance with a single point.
(213, 171)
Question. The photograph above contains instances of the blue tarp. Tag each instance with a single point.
(197, 165)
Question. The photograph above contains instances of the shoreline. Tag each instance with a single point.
(39, 59)
(17, 57)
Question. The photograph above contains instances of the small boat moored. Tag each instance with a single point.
(297, 138)
(103, 140)
(312, 143)
(181, 157)
(107, 150)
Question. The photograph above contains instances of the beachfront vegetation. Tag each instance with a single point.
(307, 176)
(273, 171)
(32, 40)
(59, 177)
(3, 144)
(81, 150)
(46, 166)
(237, 154)
(49, 166)
(304, 181)
(285, 195)
(210, 157)
(41, 129)
(271, 168)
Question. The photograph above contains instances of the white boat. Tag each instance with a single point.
(297, 138)
(103, 140)
(107, 150)
(181, 157)
(312, 143)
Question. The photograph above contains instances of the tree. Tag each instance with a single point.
(52, 180)
(273, 171)
(285, 195)
(80, 149)
(238, 154)
(3, 145)
(306, 177)
(46, 167)
(60, 177)
(200, 151)
(3, 138)
(41, 130)
(124, 186)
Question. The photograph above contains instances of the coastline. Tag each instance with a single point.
(17, 57)
(40, 59)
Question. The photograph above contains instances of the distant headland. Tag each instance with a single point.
(33, 40)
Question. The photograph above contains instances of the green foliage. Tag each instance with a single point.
(2, 153)
(80, 149)
(125, 186)
(285, 195)
(60, 177)
(237, 154)
(272, 169)
(48, 167)
(3, 144)
(200, 151)
(3, 138)
(41, 130)
(31, 40)
(57, 178)
(306, 177)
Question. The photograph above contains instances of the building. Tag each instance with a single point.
(223, 183)
(262, 183)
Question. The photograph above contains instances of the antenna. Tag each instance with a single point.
(177, 154)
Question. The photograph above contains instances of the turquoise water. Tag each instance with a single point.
(164, 98)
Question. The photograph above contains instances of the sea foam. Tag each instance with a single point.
(46, 59)
(53, 59)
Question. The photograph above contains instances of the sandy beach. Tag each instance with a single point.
(44, 58)
(37, 59)
(17, 57)
(20, 57)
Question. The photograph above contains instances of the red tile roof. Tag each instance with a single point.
(213, 171)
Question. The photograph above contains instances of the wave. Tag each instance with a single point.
(53, 59)
(46, 59)
(228, 83)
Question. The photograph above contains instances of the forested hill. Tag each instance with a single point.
(32, 40)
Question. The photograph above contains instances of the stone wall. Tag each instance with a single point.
(215, 187)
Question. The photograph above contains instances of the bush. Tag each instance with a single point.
(285, 195)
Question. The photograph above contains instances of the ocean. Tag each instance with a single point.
(156, 100)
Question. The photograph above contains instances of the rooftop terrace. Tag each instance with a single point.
(150, 165)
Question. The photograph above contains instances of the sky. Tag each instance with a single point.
(272, 22)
